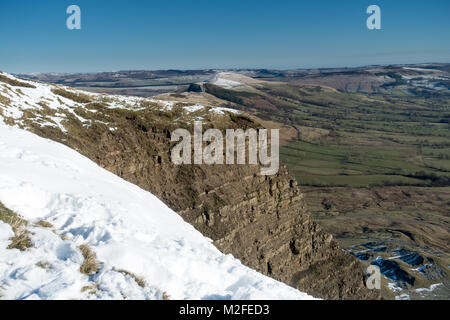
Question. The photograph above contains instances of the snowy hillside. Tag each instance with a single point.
(49, 105)
(143, 250)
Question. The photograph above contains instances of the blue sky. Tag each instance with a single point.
(190, 34)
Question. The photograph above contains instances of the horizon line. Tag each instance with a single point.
(236, 69)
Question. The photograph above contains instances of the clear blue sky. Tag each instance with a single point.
(189, 34)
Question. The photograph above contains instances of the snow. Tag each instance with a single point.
(30, 99)
(403, 296)
(430, 289)
(222, 81)
(127, 227)
(394, 287)
(194, 108)
(222, 110)
(226, 83)
(216, 110)
(418, 69)
(5, 233)
(23, 98)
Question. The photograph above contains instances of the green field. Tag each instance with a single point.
(372, 167)
(369, 140)
(358, 166)
(354, 139)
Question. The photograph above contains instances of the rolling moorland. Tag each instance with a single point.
(137, 83)
(374, 163)
(370, 148)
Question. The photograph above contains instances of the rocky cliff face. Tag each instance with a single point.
(261, 220)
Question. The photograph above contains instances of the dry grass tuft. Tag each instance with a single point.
(77, 97)
(90, 264)
(21, 239)
(4, 100)
(15, 83)
(92, 289)
(64, 237)
(44, 224)
(43, 264)
(139, 280)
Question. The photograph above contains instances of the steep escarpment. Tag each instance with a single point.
(81, 232)
(261, 220)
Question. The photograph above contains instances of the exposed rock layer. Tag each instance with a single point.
(261, 220)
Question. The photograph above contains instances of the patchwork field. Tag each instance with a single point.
(375, 168)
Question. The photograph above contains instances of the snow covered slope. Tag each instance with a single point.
(49, 105)
(134, 235)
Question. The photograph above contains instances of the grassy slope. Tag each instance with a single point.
(357, 140)
(372, 166)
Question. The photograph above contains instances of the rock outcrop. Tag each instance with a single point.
(194, 87)
(261, 220)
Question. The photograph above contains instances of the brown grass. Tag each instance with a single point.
(43, 264)
(90, 264)
(44, 224)
(15, 83)
(77, 97)
(21, 239)
(139, 280)
(92, 289)
(4, 100)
